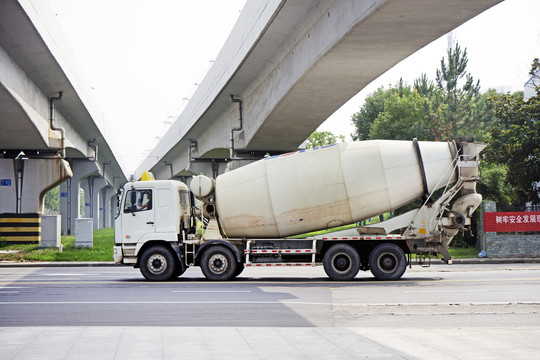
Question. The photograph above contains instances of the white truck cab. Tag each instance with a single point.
(150, 211)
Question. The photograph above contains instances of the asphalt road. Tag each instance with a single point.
(440, 296)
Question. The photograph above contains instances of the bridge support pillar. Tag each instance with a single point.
(23, 185)
(69, 193)
(98, 184)
(109, 206)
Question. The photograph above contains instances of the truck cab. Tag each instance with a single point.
(157, 212)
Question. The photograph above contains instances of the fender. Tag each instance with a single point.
(231, 247)
(179, 255)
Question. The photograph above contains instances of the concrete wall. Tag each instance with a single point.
(495, 245)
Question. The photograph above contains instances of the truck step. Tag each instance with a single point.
(282, 264)
(370, 237)
(280, 251)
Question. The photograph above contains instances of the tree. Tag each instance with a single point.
(52, 200)
(459, 93)
(535, 74)
(404, 118)
(322, 138)
(373, 106)
(515, 139)
(453, 104)
(494, 185)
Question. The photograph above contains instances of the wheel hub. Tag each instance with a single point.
(218, 263)
(388, 262)
(342, 262)
(157, 263)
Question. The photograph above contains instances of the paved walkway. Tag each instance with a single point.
(163, 343)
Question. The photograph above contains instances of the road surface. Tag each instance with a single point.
(487, 309)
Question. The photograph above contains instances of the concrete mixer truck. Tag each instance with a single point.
(247, 216)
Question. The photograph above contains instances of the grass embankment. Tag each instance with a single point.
(102, 250)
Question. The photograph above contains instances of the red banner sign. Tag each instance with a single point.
(512, 221)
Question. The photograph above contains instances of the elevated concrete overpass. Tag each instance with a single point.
(293, 63)
(48, 113)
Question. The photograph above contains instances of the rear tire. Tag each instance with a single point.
(341, 262)
(387, 262)
(218, 263)
(158, 264)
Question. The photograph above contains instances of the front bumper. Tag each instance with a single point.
(124, 255)
(117, 254)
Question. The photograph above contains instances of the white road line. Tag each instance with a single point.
(211, 291)
(443, 291)
(14, 287)
(65, 274)
(8, 292)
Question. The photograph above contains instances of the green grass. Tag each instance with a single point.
(102, 250)
(463, 252)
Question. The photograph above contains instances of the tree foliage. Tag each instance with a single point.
(52, 200)
(459, 92)
(453, 106)
(374, 105)
(494, 185)
(404, 117)
(322, 138)
(445, 109)
(515, 139)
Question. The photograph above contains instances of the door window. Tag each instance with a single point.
(138, 200)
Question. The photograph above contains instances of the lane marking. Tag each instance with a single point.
(15, 287)
(444, 291)
(59, 274)
(212, 291)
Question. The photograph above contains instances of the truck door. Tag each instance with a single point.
(138, 215)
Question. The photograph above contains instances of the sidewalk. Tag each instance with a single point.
(163, 343)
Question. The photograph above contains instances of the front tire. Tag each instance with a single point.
(158, 264)
(218, 263)
(387, 262)
(341, 262)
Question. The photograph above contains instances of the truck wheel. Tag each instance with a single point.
(387, 262)
(341, 262)
(218, 263)
(158, 264)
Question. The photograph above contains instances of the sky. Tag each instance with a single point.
(144, 59)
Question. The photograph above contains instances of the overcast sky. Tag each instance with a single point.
(144, 59)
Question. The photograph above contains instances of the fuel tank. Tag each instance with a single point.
(329, 186)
